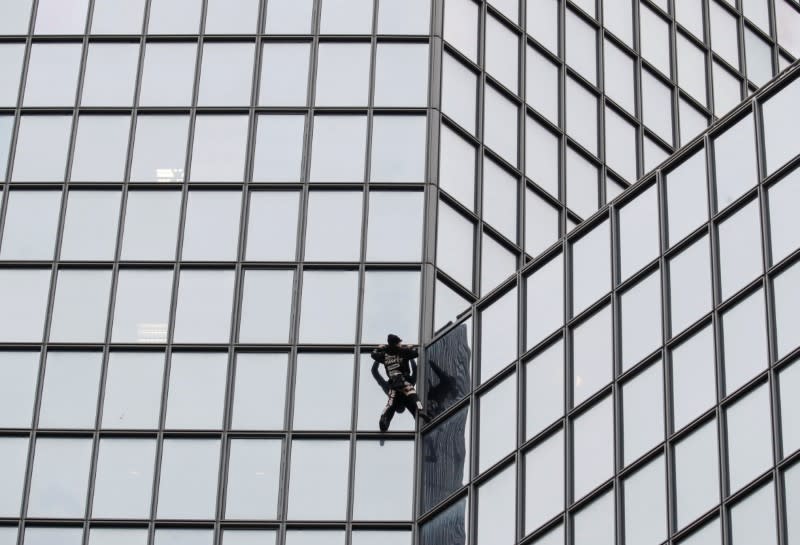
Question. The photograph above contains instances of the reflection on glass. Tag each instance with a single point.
(60, 478)
(544, 481)
(259, 391)
(643, 413)
(646, 504)
(80, 307)
(744, 341)
(211, 231)
(323, 404)
(13, 459)
(640, 309)
(90, 227)
(132, 397)
(141, 308)
(28, 289)
(448, 527)
(497, 434)
(124, 478)
(151, 225)
(749, 437)
(205, 300)
(328, 306)
(272, 212)
(448, 365)
(266, 306)
(696, 474)
(159, 149)
(592, 357)
(693, 377)
(495, 519)
(445, 460)
(284, 74)
(279, 148)
(594, 524)
(19, 373)
(69, 395)
(253, 479)
(196, 393)
(593, 453)
(41, 151)
(753, 518)
(374, 461)
(188, 485)
(318, 479)
(498, 335)
(397, 290)
(372, 400)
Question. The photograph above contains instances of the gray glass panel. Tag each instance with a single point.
(446, 467)
(759, 58)
(226, 73)
(781, 117)
(41, 152)
(687, 205)
(500, 199)
(461, 26)
(13, 459)
(447, 304)
(454, 248)
(266, 306)
(403, 16)
(249, 537)
(582, 188)
(168, 73)
(19, 372)
(691, 68)
(459, 91)
(188, 485)
(196, 395)
(542, 24)
(175, 16)
(593, 453)
(592, 363)
(16, 16)
(724, 34)
(387, 210)
(61, 16)
(53, 536)
(654, 36)
(498, 345)
(117, 536)
(497, 263)
(690, 285)
(232, 16)
(279, 148)
(375, 460)
(640, 309)
(693, 377)
(284, 74)
(753, 519)
(740, 249)
(735, 161)
(638, 232)
(342, 74)
(646, 504)
(696, 474)
(396, 290)
(328, 306)
(619, 71)
(289, 16)
(346, 17)
(744, 329)
(272, 212)
(338, 148)
(502, 53)
(457, 167)
(315, 537)
(323, 404)
(541, 156)
(211, 231)
(23, 289)
(401, 74)
(11, 58)
(124, 478)
(220, 147)
(617, 15)
(30, 225)
(81, 306)
(789, 381)
(368, 537)
(499, 125)
(497, 423)
(541, 86)
(253, 479)
(692, 121)
(90, 228)
(448, 362)
(168, 536)
(620, 139)
(786, 19)
(749, 437)
(117, 17)
(784, 228)
(787, 309)
(656, 108)
(544, 389)
(141, 309)
(448, 527)
(318, 480)
(545, 300)
(151, 225)
(591, 267)
(541, 223)
(792, 484)
(643, 413)
(581, 115)
(495, 520)
(101, 147)
(594, 524)
(398, 149)
(544, 481)
(132, 398)
(159, 150)
(333, 228)
(60, 478)
(204, 306)
(727, 90)
(581, 47)
(110, 78)
(6, 128)
(69, 395)
(710, 534)
(259, 391)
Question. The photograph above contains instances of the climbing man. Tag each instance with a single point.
(401, 370)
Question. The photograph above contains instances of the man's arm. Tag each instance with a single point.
(409, 352)
(413, 377)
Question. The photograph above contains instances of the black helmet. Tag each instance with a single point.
(393, 339)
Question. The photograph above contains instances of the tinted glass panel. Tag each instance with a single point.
(132, 397)
(498, 425)
(693, 377)
(447, 469)
(188, 485)
(141, 309)
(338, 148)
(19, 373)
(226, 73)
(110, 78)
(593, 453)
(151, 225)
(323, 405)
(69, 395)
(90, 227)
(220, 146)
(41, 152)
(696, 473)
(196, 390)
(14, 458)
(398, 148)
(643, 413)
(284, 74)
(28, 289)
(159, 150)
(259, 391)
(544, 481)
(168, 73)
(328, 306)
(318, 480)
(279, 148)
(373, 461)
(211, 230)
(60, 478)
(31, 222)
(124, 478)
(80, 307)
(266, 305)
(253, 479)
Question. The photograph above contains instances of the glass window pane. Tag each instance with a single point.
(401, 74)
(500, 199)
(253, 479)
(461, 26)
(692, 121)
(397, 290)
(318, 480)
(740, 249)
(693, 378)
(592, 358)
(117, 17)
(656, 107)
(19, 373)
(641, 320)
(541, 86)
(151, 225)
(459, 91)
(110, 78)
(581, 115)
(333, 229)
(759, 58)
(124, 478)
(69, 395)
(449, 360)
(81, 306)
(545, 301)
(204, 306)
(691, 68)
(638, 232)
(591, 267)
(346, 17)
(14, 458)
(374, 461)
(60, 478)
(315, 537)
(403, 16)
(687, 205)
(272, 212)
(497, 263)
(342, 74)
(266, 306)
(368, 537)
(789, 383)
(284, 74)
(784, 230)
(499, 125)
(181, 536)
(749, 437)
(168, 73)
(541, 156)
(594, 524)
(11, 58)
(220, 147)
(696, 474)
(188, 485)
(211, 232)
(159, 150)
(289, 16)
(646, 504)
(232, 17)
(117, 536)
(498, 425)
(581, 47)
(279, 148)
(41, 152)
(90, 227)
(28, 289)
(61, 16)
(44, 535)
(259, 391)
(249, 537)
(387, 210)
(101, 147)
(542, 24)
(328, 306)
(175, 16)
(753, 519)
(448, 527)
(787, 309)
(582, 187)
(544, 389)
(654, 36)
(132, 397)
(447, 304)
(620, 145)
(792, 484)
(592, 451)
(653, 154)
(690, 285)
(457, 167)
(338, 148)
(544, 481)
(495, 519)
(727, 90)
(780, 118)
(619, 72)
(643, 413)
(141, 309)
(196, 395)
(454, 247)
(30, 226)
(710, 534)
(6, 128)
(735, 161)
(323, 405)
(498, 334)
(502, 53)
(444, 474)
(398, 148)
(617, 15)
(226, 73)
(744, 329)
(541, 223)
(16, 15)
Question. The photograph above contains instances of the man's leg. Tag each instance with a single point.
(412, 402)
(388, 410)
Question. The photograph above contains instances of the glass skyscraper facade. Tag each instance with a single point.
(212, 210)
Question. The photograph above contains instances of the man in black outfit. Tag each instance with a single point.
(401, 370)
